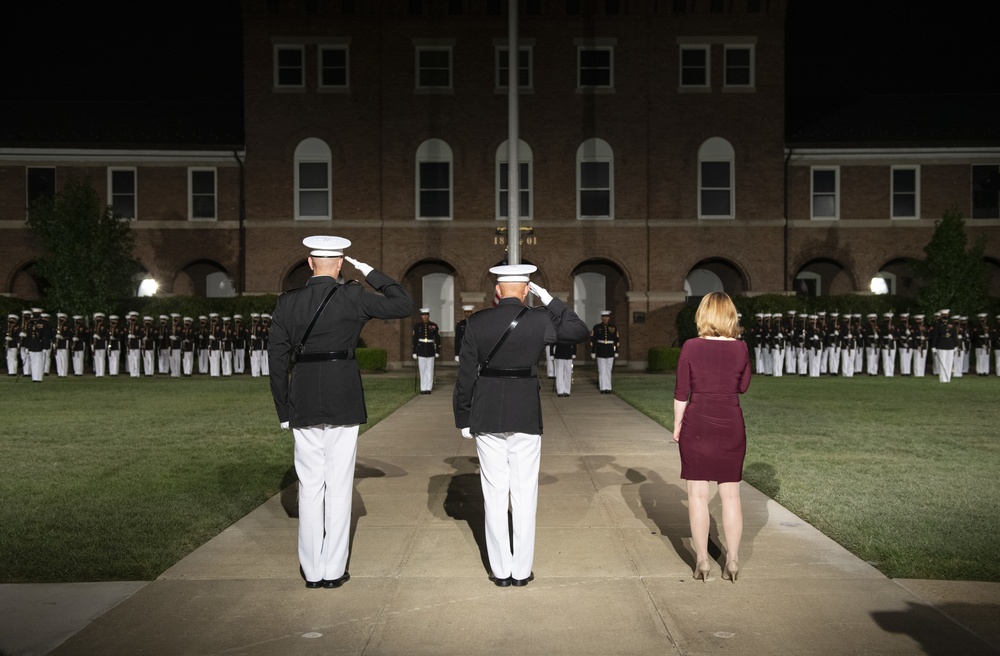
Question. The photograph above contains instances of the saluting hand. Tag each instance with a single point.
(360, 266)
(540, 292)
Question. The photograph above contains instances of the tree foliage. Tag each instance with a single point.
(87, 257)
(952, 277)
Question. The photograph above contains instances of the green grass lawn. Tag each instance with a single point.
(119, 478)
(903, 472)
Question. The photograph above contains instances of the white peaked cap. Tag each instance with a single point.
(513, 272)
(605, 313)
(425, 310)
(469, 308)
(326, 246)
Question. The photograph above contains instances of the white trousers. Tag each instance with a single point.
(77, 363)
(37, 366)
(604, 373)
(958, 363)
(549, 371)
(164, 357)
(148, 357)
(871, 358)
(790, 359)
(214, 361)
(758, 358)
(824, 356)
(802, 355)
(905, 360)
(227, 363)
(847, 363)
(946, 362)
(563, 370)
(919, 363)
(324, 464)
(833, 366)
(114, 361)
(765, 353)
(508, 467)
(100, 362)
(426, 367)
(188, 359)
(175, 362)
(202, 361)
(239, 361)
(133, 363)
(889, 362)
(982, 361)
(255, 358)
(62, 362)
(777, 361)
(996, 356)
(815, 359)
(12, 361)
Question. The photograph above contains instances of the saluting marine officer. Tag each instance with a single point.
(426, 347)
(604, 348)
(316, 386)
(496, 400)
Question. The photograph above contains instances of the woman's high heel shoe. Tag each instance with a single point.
(702, 570)
(731, 571)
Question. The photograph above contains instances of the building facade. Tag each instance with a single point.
(653, 162)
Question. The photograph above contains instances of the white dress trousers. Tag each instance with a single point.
(426, 367)
(946, 362)
(324, 464)
(564, 375)
(509, 465)
(604, 373)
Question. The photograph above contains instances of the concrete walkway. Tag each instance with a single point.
(612, 565)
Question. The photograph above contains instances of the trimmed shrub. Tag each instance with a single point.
(663, 358)
(371, 359)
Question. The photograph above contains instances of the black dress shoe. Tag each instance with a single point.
(501, 583)
(520, 583)
(312, 585)
(336, 583)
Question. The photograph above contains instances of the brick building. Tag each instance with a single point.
(654, 162)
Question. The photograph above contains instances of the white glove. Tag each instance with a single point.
(284, 425)
(360, 266)
(437, 355)
(456, 358)
(414, 356)
(616, 354)
(540, 292)
(466, 433)
(593, 356)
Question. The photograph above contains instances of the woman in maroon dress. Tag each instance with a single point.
(712, 372)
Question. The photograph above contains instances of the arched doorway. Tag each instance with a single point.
(600, 285)
(822, 277)
(27, 283)
(431, 283)
(713, 275)
(204, 278)
(903, 282)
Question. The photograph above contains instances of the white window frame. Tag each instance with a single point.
(191, 194)
(595, 47)
(524, 156)
(302, 58)
(686, 47)
(313, 151)
(591, 151)
(717, 149)
(500, 75)
(813, 193)
(135, 189)
(727, 48)
(434, 150)
(322, 48)
(915, 193)
(421, 48)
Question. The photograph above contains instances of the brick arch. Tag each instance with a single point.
(23, 282)
(826, 262)
(184, 283)
(720, 260)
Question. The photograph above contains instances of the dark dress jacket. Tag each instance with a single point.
(314, 393)
(506, 405)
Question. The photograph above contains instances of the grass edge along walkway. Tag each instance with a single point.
(900, 471)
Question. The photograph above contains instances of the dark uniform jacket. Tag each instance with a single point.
(502, 405)
(330, 392)
(459, 334)
(604, 340)
(39, 335)
(426, 339)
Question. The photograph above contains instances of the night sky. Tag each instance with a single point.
(190, 50)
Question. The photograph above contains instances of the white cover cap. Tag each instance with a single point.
(326, 246)
(513, 272)
(468, 308)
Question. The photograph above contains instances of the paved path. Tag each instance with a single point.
(613, 568)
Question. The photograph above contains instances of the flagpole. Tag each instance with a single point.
(513, 166)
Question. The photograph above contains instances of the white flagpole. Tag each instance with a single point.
(513, 167)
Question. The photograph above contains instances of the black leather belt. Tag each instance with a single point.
(321, 356)
(491, 372)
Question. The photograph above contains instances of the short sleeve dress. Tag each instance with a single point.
(711, 374)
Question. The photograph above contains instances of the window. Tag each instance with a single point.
(523, 67)
(595, 67)
(986, 191)
(694, 66)
(589, 296)
(739, 66)
(121, 192)
(716, 181)
(312, 180)
(595, 180)
(201, 194)
(434, 67)
(41, 183)
(333, 67)
(905, 192)
(825, 193)
(289, 67)
(524, 181)
(434, 180)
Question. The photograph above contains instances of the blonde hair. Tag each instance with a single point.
(716, 316)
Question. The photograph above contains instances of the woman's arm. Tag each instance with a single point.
(679, 407)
